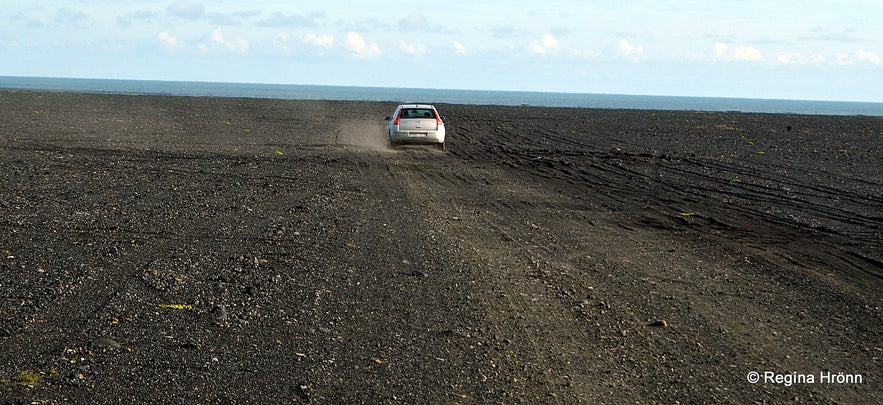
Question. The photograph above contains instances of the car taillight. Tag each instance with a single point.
(396, 121)
(437, 118)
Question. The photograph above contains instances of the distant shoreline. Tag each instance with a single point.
(472, 97)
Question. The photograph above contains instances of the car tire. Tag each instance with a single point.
(441, 146)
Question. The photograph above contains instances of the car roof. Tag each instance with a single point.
(416, 106)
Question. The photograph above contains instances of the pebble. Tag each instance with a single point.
(219, 313)
(105, 343)
(659, 323)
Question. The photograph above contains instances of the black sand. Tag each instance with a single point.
(203, 250)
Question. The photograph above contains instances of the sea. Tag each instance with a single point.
(476, 97)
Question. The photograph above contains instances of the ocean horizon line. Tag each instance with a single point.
(448, 96)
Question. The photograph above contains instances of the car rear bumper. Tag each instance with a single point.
(417, 136)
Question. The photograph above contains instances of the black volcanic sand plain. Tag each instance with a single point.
(221, 250)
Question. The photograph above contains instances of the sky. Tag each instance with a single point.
(803, 49)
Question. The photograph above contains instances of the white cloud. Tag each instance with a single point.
(742, 52)
(414, 50)
(542, 46)
(187, 9)
(736, 52)
(281, 41)
(321, 41)
(170, 41)
(629, 50)
(237, 44)
(866, 56)
(138, 17)
(194, 10)
(797, 58)
(418, 22)
(459, 48)
(359, 47)
(67, 16)
(412, 22)
(842, 58)
(790, 58)
(278, 19)
(839, 59)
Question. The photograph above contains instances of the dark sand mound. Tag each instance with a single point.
(187, 250)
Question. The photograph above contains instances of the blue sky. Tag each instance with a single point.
(817, 50)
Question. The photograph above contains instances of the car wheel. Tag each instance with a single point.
(441, 146)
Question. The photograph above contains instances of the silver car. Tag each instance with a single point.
(416, 124)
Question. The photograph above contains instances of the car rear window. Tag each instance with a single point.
(417, 113)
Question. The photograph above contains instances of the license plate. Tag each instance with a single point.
(418, 134)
